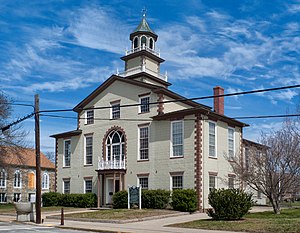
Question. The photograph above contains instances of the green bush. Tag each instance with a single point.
(120, 200)
(184, 200)
(229, 204)
(155, 199)
(51, 199)
(70, 200)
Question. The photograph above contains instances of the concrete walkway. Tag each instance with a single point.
(149, 226)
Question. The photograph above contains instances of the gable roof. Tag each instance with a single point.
(18, 156)
(154, 88)
(209, 113)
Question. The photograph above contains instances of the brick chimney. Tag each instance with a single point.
(219, 101)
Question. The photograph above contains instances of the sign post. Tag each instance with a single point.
(134, 196)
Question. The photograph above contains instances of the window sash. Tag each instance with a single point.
(177, 138)
(144, 142)
(231, 182)
(177, 182)
(66, 186)
(17, 180)
(45, 181)
(144, 104)
(89, 117)
(144, 182)
(212, 139)
(88, 150)
(67, 153)
(3, 179)
(115, 111)
(88, 186)
(230, 143)
(3, 198)
(212, 183)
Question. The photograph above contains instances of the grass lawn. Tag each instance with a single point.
(121, 214)
(265, 222)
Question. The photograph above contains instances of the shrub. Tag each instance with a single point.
(70, 200)
(120, 200)
(155, 199)
(229, 204)
(184, 200)
(51, 199)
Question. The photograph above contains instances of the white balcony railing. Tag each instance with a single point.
(139, 69)
(127, 52)
(111, 164)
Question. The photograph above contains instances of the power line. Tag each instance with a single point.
(17, 122)
(181, 100)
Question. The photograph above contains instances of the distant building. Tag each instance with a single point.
(146, 134)
(17, 175)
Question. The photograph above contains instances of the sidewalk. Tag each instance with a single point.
(148, 226)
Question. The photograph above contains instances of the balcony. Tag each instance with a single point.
(137, 70)
(127, 52)
(111, 164)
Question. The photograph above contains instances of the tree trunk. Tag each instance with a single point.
(275, 205)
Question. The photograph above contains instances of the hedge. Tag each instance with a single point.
(184, 200)
(70, 200)
(229, 204)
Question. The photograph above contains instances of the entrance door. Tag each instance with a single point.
(110, 189)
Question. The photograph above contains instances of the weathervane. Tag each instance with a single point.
(144, 11)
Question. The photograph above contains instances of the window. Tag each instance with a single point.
(66, 184)
(88, 150)
(247, 158)
(115, 110)
(17, 179)
(17, 197)
(230, 143)
(177, 182)
(143, 182)
(88, 186)
(144, 142)
(231, 182)
(115, 146)
(135, 43)
(212, 139)
(67, 153)
(143, 41)
(258, 194)
(89, 117)
(177, 138)
(144, 104)
(45, 181)
(212, 182)
(2, 178)
(151, 43)
(31, 180)
(3, 198)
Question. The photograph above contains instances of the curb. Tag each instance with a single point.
(90, 230)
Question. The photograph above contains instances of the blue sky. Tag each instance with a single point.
(63, 50)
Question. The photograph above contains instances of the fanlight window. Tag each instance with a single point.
(143, 41)
(135, 43)
(115, 146)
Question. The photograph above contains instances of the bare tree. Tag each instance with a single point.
(10, 139)
(273, 166)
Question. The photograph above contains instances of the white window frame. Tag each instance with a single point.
(19, 196)
(231, 156)
(139, 182)
(140, 102)
(139, 142)
(172, 145)
(89, 180)
(64, 157)
(171, 181)
(17, 180)
(209, 143)
(45, 180)
(85, 149)
(231, 179)
(112, 111)
(3, 176)
(89, 120)
(64, 182)
(215, 181)
(4, 199)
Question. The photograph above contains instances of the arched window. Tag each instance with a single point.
(135, 43)
(17, 179)
(2, 178)
(45, 181)
(31, 179)
(151, 43)
(115, 146)
(143, 41)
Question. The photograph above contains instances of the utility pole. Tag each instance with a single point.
(38, 196)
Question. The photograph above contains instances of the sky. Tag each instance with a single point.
(64, 49)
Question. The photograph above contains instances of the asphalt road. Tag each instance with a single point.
(8, 227)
